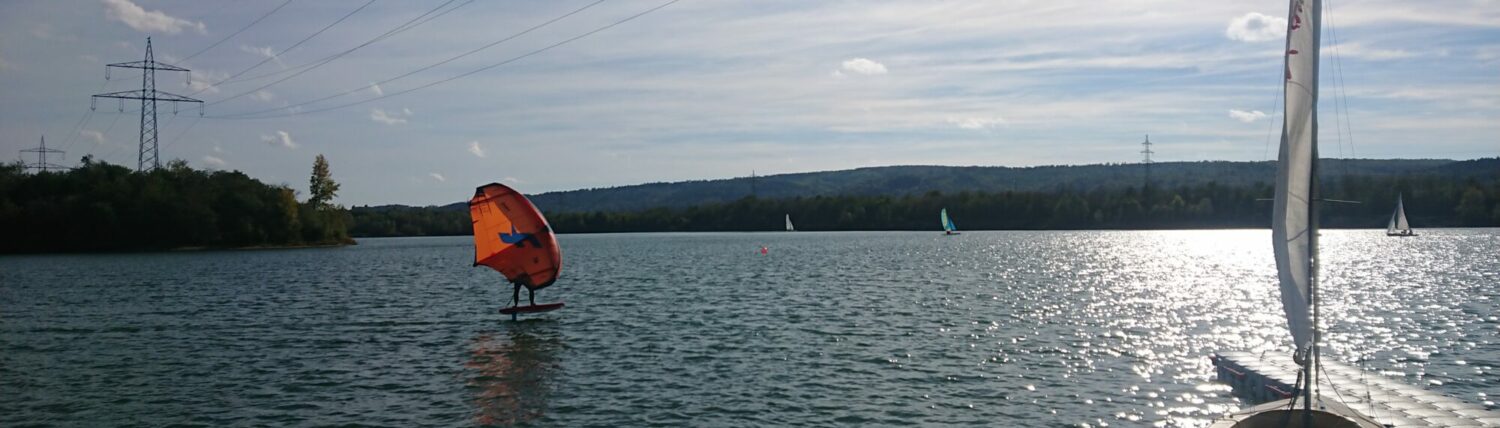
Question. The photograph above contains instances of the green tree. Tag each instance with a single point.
(321, 186)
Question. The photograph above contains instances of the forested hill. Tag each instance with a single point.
(912, 180)
(1437, 193)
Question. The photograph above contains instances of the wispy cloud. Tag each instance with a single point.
(512, 180)
(214, 161)
(148, 21)
(977, 122)
(1361, 51)
(263, 95)
(263, 51)
(438, 177)
(1255, 27)
(1247, 116)
(96, 136)
(860, 66)
(475, 149)
(380, 115)
(281, 138)
(203, 80)
(375, 88)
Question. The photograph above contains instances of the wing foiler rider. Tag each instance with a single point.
(523, 280)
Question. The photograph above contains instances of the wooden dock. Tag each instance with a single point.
(1388, 401)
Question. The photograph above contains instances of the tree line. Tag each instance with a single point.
(1430, 201)
(103, 207)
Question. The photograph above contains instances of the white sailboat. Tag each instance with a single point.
(1398, 225)
(1294, 230)
(789, 227)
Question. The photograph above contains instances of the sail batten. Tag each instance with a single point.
(1293, 222)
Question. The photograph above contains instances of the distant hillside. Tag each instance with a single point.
(912, 180)
(1438, 193)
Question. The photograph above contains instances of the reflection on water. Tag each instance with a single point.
(511, 372)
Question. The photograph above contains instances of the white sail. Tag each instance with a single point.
(789, 227)
(1399, 217)
(1293, 222)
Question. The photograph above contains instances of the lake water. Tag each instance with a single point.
(903, 328)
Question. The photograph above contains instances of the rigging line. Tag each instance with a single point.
(1342, 93)
(1338, 120)
(236, 33)
(454, 58)
(284, 51)
(402, 27)
(470, 73)
(397, 30)
(1265, 154)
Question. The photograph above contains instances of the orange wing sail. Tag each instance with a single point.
(512, 237)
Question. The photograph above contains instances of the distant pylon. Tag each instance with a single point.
(41, 157)
(752, 183)
(1146, 159)
(149, 96)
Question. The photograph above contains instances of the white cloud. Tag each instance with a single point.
(214, 161)
(438, 177)
(202, 81)
(263, 95)
(1255, 27)
(1247, 116)
(512, 180)
(282, 138)
(977, 122)
(861, 66)
(381, 116)
(151, 22)
(97, 136)
(475, 149)
(264, 52)
(376, 89)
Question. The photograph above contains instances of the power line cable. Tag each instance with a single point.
(236, 33)
(319, 61)
(425, 68)
(435, 83)
(406, 26)
(288, 49)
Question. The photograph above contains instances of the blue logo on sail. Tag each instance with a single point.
(519, 239)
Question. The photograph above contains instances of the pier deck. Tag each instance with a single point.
(1388, 401)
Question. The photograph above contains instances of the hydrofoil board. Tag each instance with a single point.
(532, 309)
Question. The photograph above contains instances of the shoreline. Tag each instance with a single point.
(351, 242)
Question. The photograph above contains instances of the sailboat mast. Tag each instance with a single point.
(1316, 192)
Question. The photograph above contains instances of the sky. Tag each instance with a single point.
(570, 94)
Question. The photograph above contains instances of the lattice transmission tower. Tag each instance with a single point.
(41, 157)
(148, 156)
(1146, 160)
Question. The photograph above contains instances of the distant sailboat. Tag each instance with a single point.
(948, 227)
(1294, 231)
(789, 227)
(1398, 225)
